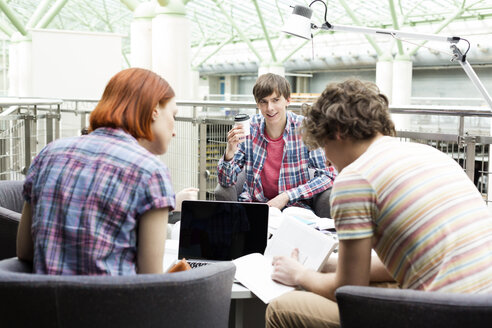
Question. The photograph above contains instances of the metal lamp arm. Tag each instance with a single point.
(470, 72)
(457, 55)
(395, 33)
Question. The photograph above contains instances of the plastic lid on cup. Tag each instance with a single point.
(241, 117)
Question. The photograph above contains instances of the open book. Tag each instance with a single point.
(254, 270)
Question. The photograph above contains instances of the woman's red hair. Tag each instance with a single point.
(128, 101)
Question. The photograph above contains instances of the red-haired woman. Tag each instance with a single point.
(98, 204)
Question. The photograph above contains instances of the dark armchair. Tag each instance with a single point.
(11, 202)
(321, 202)
(194, 298)
(387, 307)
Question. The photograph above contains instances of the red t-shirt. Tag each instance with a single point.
(271, 168)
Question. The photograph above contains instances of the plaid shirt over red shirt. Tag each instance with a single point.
(294, 175)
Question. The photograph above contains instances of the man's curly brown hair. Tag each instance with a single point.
(352, 109)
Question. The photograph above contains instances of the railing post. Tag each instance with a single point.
(58, 121)
(28, 122)
(461, 127)
(202, 160)
(470, 157)
(49, 127)
(34, 130)
(83, 119)
(3, 153)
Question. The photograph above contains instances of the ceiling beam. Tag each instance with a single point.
(48, 17)
(265, 31)
(13, 18)
(238, 30)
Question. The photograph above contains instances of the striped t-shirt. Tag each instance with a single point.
(429, 224)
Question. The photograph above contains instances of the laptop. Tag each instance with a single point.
(214, 231)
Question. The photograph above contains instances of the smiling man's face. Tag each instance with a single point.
(273, 109)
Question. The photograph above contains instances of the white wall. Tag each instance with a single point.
(73, 65)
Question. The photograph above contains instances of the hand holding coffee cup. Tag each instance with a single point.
(236, 135)
(243, 121)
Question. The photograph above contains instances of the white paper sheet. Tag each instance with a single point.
(254, 270)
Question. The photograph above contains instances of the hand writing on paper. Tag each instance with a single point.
(286, 270)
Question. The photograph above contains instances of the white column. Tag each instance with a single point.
(302, 84)
(384, 75)
(171, 58)
(25, 78)
(171, 51)
(231, 86)
(13, 69)
(271, 67)
(402, 80)
(195, 85)
(402, 89)
(141, 36)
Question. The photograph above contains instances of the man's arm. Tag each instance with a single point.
(280, 201)
(378, 272)
(228, 170)
(322, 180)
(25, 245)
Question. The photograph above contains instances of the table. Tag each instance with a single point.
(246, 309)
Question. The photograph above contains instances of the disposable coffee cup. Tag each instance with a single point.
(242, 120)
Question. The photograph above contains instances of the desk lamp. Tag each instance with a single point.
(299, 24)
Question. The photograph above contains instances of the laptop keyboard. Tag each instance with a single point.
(195, 265)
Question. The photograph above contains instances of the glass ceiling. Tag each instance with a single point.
(372, 13)
(211, 19)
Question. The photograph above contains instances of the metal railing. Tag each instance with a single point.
(461, 132)
(26, 125)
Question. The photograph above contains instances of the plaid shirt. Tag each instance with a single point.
(87, 194)
(294, 175)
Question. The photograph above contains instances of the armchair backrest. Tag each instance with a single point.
(11, 202)
(387, 307)
(194, 298)
(231, 193)
(321, 204)
(11, 195)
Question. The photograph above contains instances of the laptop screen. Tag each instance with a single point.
(222, 231)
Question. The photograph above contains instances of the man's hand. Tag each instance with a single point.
(287, 270)
(279, 201)
(234, 137)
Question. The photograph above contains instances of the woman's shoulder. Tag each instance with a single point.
(59, 145)
(148, 161)
(121, 149)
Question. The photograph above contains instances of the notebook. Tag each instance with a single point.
(214, 231)
(254, 271)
